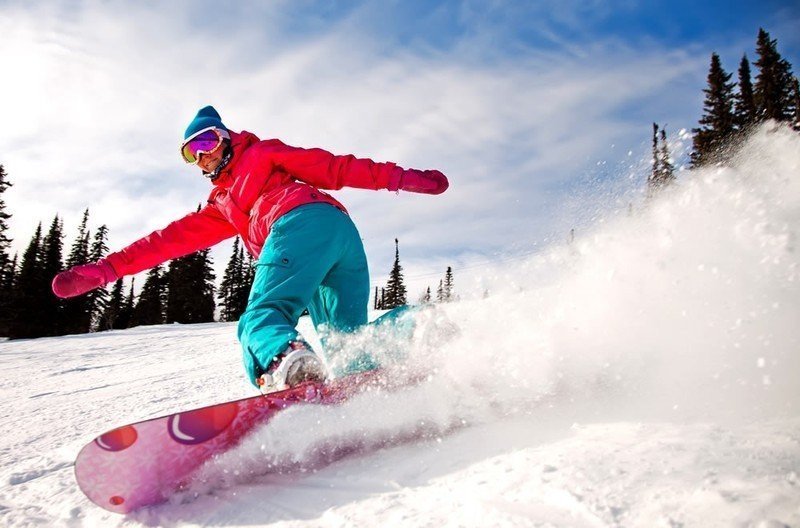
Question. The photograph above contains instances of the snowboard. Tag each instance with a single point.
(143, 464)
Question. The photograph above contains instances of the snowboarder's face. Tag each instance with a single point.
(205, 148)
(209, 161)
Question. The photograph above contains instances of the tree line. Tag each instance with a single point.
(394, 294)
(182, 291)
(732, 109)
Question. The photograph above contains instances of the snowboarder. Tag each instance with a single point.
(309, 253)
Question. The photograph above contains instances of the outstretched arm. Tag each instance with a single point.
(324, 170)
(191, 233)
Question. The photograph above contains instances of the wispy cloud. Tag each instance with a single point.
(96, 98)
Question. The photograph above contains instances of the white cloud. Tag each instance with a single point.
(95, 102)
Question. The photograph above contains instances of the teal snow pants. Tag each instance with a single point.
(313, 258)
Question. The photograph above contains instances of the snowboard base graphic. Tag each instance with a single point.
(142, 464)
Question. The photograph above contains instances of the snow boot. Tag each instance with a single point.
(293, 366)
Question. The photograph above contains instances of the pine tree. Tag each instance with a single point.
(652, 178)
(237, 281)
(77, 311)
(179, 294)
(112, 309)
(7, 269)
(125, 317)
(717, 123)
(27, 292)
(149, 309)
(98, 298)
(773, 88)
(248, 274)
(231, 281)
(99, 247)
(7, 290)
(425, 298)
(7, 279)
(667, 169)
(190, 289)
(440, 292)
(11, 278)
(51, 315)
(79, 252)
(207, 287)
(744, 101)
(242, 290)
(796, 98)
(178, 290)
(447, 287)
(395, 289)
(5, 241)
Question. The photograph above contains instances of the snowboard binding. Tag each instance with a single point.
(295, 365)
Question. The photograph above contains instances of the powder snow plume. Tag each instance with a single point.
(683, 309)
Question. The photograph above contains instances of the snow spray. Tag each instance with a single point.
(684, 307)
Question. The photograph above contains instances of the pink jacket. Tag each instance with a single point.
(263, 181)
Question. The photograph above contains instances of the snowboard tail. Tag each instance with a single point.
(143, 464)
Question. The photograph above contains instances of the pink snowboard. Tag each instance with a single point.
(144, 463)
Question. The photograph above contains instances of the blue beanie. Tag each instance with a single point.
(206, 117)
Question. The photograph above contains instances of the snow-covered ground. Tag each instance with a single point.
(644, 375)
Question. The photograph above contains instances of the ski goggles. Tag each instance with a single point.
(203, 141)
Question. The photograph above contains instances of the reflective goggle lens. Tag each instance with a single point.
(204, 142)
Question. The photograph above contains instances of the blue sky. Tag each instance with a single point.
(534, 109)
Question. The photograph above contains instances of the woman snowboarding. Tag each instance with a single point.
(309, 253)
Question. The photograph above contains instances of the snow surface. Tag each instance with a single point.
(644, 375)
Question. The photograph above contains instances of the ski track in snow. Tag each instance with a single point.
(644, 375)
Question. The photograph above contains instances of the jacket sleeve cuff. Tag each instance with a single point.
(110, 268)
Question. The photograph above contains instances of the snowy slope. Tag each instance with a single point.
(645, 375)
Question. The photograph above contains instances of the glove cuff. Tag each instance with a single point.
(109, 273)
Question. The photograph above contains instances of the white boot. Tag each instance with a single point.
(293, 366)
